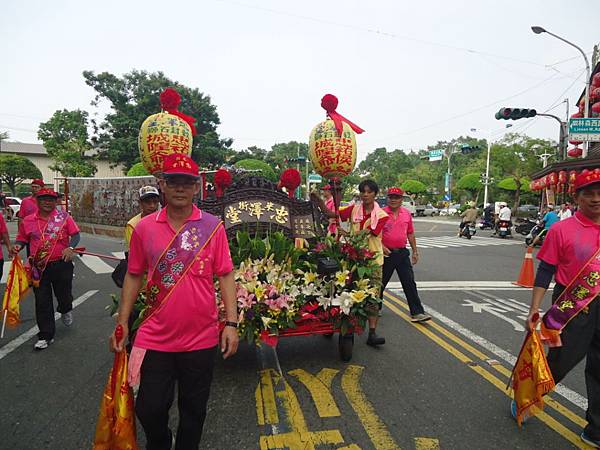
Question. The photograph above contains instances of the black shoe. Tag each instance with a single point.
(373, 340)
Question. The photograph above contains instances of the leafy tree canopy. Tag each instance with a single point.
(15, 169)
(133, 97)
(413, 187)
(254, 164)
(137, 170)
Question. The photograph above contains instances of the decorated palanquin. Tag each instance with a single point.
(254, 204)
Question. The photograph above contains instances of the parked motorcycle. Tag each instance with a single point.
(524, 226)
(504, 229)
(468, 231)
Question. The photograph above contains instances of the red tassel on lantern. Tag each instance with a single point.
(562, 181)
(572, 177)
(290, 179)
(169, 101)
(222, 181)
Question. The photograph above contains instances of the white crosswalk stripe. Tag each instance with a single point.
(455, 241)
(96, 264)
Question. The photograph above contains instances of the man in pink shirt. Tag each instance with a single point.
(181, 248)
(51, 236)
(6, 241)
(569, 251)
(396, 231)
(29, 204)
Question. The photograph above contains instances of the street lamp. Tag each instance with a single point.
(540, 30)
(486, 182)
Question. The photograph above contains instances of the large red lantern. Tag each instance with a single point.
(595, 94)
(562, 180)
(578, 115)
(575, 152)
(596, 80)
(576, 143)
(596, 109)
(572, 177)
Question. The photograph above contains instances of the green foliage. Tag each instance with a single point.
(471, 183)
(133, 97)
(384, 167)
(274, 244)
(254, 164)
(137, 170)
(65, 137)
(509, 184)
(15, 169)
(413, 187)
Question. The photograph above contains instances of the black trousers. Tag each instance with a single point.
(581, 338)
(193, 373)
(57, 277)
(399, 260)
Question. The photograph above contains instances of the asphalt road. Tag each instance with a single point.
(438, 385)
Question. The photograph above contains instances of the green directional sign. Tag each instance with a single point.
(315, 178)
(436, 155)
(584, 129)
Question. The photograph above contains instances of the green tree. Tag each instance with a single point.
(413, 187)
(251, 152)
(135, 96)
(137, 170)
(515, 157)
(65, 137)
(15, 169)
(254, 164)
(471, 183)
(384, 167)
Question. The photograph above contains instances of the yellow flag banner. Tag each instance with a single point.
(115, 429)
(531, 377)
(17, 285)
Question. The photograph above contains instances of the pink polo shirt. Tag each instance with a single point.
(32, 227)
(397, 228)
(330, 204)
(188, 319)
(28, 207)
(569, 244)
(3, 229)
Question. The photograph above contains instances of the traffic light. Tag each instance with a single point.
(515, 113)
(465, 149)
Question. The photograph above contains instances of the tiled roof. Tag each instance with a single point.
(21, 148)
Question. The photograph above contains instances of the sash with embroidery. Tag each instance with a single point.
(177, 259)
(49, 238)
(578, 294)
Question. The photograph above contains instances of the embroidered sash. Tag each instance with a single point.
(49, 238)
(177, 259)
(578, 294)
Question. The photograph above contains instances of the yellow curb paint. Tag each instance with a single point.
(544, 417)
(349, 447)
(260, 412)
(326, 377)
(268, 396)
(375, 428)
(422, 443)
(319, 391)
(577, 420)
(300, 437)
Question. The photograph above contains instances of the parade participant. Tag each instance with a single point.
(6, 241)
(397, 230)
(149, 202)
(29, 204)
(565, 211)
(366, 217)
(572, 325)
(330, 204)
(181, 248)
(469, 215)
(51, 236)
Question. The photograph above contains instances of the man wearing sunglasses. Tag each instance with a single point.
(180, 248)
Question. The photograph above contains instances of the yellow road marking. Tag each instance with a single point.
(260, 412)
(544, 417)
(326, 376)
(268, 407)
(350, 447)
(573, 417)
(319, 391)
(427, 444)
(300, 438)
(375, 428)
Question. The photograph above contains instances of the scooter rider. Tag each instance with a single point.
(504, 215)
(469, 216)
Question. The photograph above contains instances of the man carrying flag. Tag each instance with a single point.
(571, 327)
(51, 236)
(181, 248)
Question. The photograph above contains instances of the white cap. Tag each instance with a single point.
(147, 191)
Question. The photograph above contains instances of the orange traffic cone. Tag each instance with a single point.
(526, 276)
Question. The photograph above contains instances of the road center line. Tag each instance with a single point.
(24, 337)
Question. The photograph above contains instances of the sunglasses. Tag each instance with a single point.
(183, 182)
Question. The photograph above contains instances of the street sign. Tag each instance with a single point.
(315, 178)
(584, 129)
(447, 197)
(436, 155)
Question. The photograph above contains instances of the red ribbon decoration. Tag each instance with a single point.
(169, 102)
(329, 103)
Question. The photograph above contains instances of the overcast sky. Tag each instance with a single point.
(409, 73)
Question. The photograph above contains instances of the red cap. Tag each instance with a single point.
(180, 164)
(587, 177)
(327, 187)
(395, 191)
(39, 182)
(46, 192)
